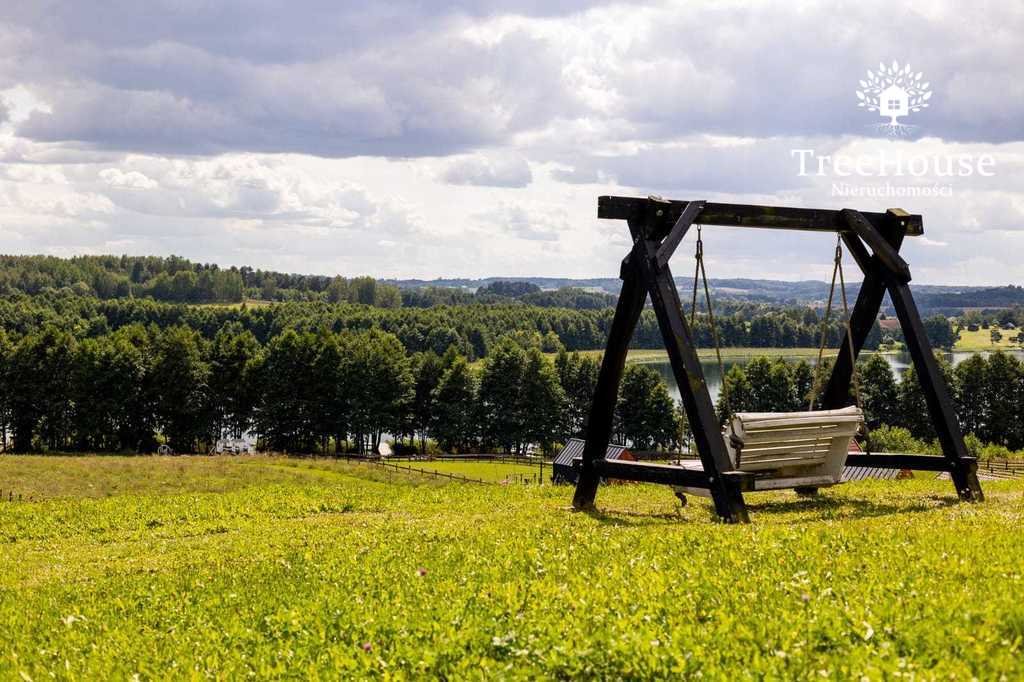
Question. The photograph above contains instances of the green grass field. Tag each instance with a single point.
(981, 340)
(250, 566)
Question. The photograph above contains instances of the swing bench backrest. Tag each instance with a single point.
(792, 443)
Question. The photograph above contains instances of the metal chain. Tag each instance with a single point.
(837, 270)
(854, 373)
(816, 384)
(700, 272)
(849, 330)
(699, 255)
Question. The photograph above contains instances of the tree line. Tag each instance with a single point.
(472, 329)
(177, 279)
(324, 391)
(327, 392)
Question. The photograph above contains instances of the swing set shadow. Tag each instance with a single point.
(657, 227)
(814, 508)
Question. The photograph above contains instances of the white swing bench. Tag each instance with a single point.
(781, 450)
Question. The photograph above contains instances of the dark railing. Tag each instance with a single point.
(536, 477)
(1002, 468)
(483, 457)
(12, 496)
(427, 472)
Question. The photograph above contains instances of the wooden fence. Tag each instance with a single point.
(531, 478)
(426, 472)
(1002, 468)
(501, 459)
(12, 496)
(535, 477)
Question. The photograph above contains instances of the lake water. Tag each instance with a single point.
(898, 361)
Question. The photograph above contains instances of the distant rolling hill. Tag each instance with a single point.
(929, 296)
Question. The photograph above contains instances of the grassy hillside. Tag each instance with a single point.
(226, 567)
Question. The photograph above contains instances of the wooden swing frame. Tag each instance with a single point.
(657, 227)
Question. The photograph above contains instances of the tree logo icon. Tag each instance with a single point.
(894, 91)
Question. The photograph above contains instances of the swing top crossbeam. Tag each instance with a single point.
(743, 215)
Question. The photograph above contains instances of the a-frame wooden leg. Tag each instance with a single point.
(606, 393)
(693, 388)
(962, 469)
(878, 278)
(862, 319)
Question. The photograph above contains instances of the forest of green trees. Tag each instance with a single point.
(472, 329)
(106, 353)
(301, 392)
(106, 292)
(326, 391)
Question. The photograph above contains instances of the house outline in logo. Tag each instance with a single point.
(893, 102)
(894, 91)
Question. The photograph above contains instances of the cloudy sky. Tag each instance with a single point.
(472, 138)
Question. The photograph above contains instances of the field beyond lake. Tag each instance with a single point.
(226, 567)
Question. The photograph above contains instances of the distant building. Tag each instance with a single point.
(562, 469)
(889, 324)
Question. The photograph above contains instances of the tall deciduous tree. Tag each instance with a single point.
(878, 390)
(803, 382)
(455, 400)
(1003, 398)
(971, 395)
(780, 395)
(234, 359)
(913, 409)
(577, 375)
(501, 396)
(330, 399)
(286, 380)
(382, 384)
(940, 331)
(542, 401)
(111, 398)
(139, 419)
(428, 369)
(180, 380)
(647, 416)
(41, 372)
(737, 394)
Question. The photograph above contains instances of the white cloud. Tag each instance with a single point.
(517, 221)
(490, 170)
(472, 138)
(115, 177)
